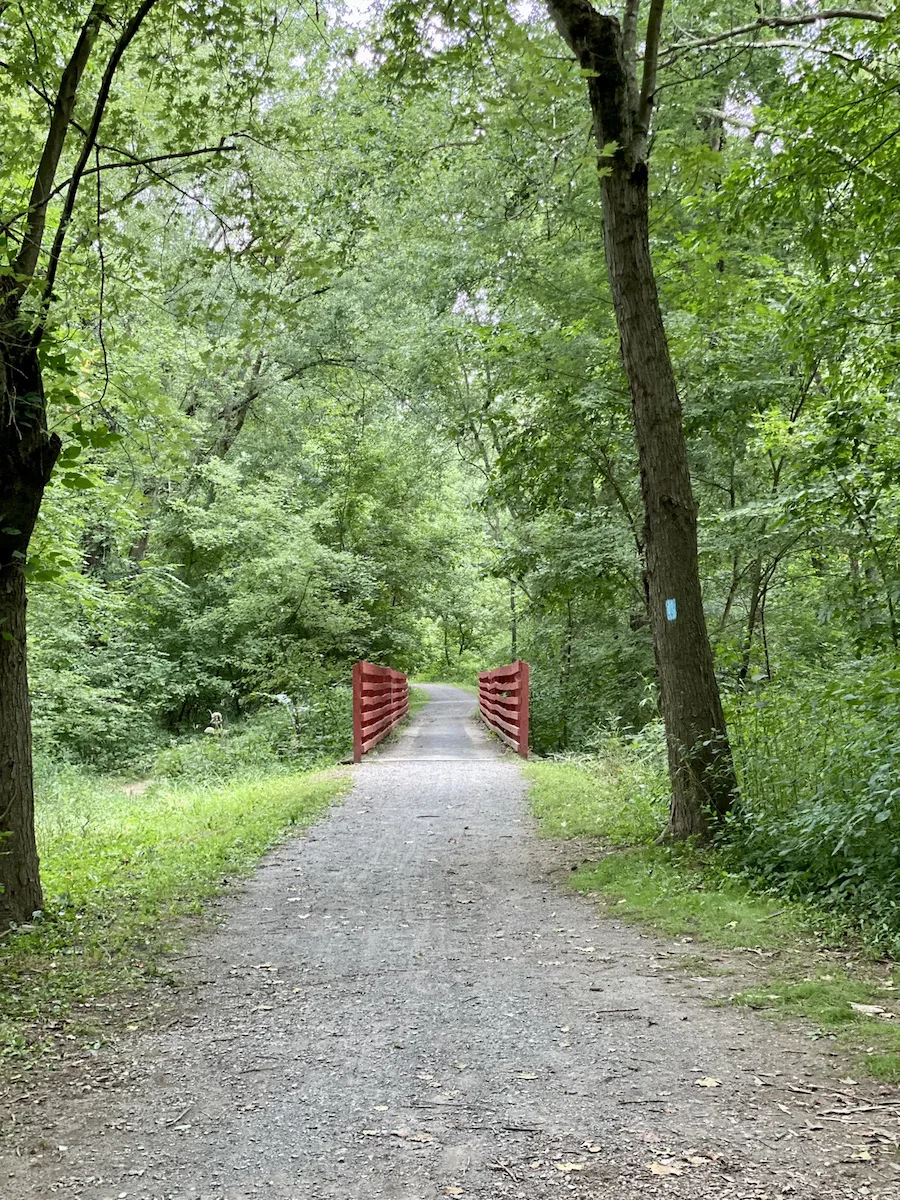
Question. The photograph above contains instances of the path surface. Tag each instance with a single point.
(408, 1004)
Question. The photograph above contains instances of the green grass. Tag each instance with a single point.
(121, 873)
(824, 1001)
(685, 892)
(614, 799)
(418, 698)
(672, 891)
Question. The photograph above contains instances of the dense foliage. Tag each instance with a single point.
(353, 389)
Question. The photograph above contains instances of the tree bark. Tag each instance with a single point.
(513, 622)
(700, 764)
(27, 455)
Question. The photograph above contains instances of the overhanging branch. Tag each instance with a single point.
(122, 43)
(827, 14)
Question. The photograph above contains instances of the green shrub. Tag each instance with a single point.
(819, 771)
(288, 736)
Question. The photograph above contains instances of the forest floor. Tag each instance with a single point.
(409, 1003)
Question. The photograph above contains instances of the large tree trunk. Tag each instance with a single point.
(699, 758)
(700, 764)
(19, 875)
(27, 455)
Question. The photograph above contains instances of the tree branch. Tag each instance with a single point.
(123, 42)
(812, 48)
(63, 107)
(133, 161)
(827, 14)
(651, 62)
(629, 30)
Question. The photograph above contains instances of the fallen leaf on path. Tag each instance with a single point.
(591, 1148)
(870, 1010)
(696, 1160)
(526, 1075)
(408, 1136)
(657, 1168)
(861, 1155)
(569, 1166)
(453, 1191)
(708, 1081)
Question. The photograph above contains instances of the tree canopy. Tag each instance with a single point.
(312, 353)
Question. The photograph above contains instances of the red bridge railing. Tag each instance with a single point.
(503, 703)
(380, 702)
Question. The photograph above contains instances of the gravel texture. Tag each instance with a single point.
(408, 1003)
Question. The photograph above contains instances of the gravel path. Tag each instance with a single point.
(407, 1003)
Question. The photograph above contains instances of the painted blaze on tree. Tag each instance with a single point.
(700, 764)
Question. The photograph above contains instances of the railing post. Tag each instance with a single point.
(357, 712)
(524, 696)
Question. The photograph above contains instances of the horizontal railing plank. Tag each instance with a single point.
(503, 695)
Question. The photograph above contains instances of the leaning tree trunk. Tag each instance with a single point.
(27, 455)
(699, 757)
(700, 764)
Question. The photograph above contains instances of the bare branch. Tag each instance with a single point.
(827, 14)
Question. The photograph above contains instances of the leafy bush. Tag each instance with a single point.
(819, 769)
(287, 737)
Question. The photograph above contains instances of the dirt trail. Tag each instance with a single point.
(408, 1004)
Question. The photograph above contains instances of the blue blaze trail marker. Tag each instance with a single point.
(671, 610)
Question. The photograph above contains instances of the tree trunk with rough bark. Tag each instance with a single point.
(700, 764)
(27, 455)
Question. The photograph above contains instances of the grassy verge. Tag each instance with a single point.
(122, 868)
(418, 698)
(807, 969)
